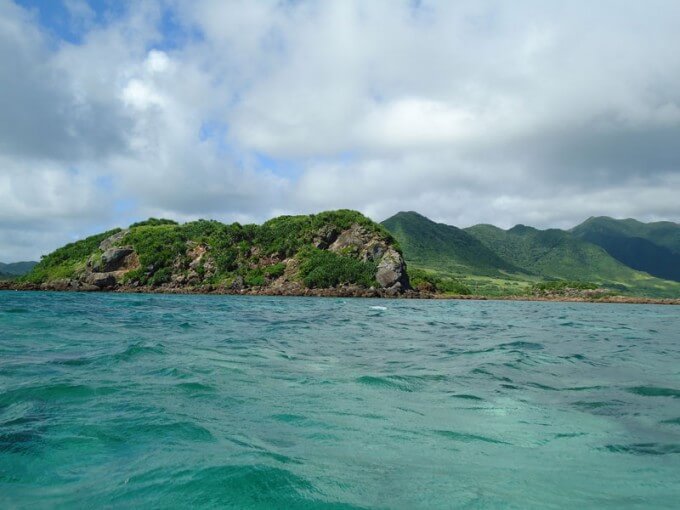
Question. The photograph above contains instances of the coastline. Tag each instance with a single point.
(344, 292)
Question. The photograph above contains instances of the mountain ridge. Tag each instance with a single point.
(528, 255)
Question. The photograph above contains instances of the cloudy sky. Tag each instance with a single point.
(501, 112)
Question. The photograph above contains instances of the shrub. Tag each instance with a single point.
(275, 270)
(254, 278)
(425, 280)
(153, 222)
(320, 268)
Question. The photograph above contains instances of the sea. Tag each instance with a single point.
(166, 401)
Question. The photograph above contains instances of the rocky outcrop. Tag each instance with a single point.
(281, 257)
(392, 271)
(371, 247)
(114, 259)
(112, 240)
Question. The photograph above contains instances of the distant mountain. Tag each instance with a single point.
(14, 269)
(492, 260)
(552, 253)
(650, 247)
(427, 244)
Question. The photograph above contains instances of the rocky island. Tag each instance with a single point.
(332, 253)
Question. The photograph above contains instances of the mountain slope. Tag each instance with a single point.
(16, 268)
(650, 247)
(556, 253)
(287, 254)
(444, 248)
(661, 233)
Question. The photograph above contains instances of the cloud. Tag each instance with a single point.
(468, 112)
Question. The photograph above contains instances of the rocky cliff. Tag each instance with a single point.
(332, 253)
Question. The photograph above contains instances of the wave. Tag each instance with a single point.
(654, 391)
(467, 438)
(643, 448)
(407, 383)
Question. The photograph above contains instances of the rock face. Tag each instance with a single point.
(110, 241)
(369, 247)
(105, 271)
(114, 259)
(392, 271)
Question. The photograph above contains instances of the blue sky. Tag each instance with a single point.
(498, 112)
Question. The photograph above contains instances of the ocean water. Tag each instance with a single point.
(152, 401)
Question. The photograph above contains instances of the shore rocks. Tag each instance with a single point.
(101, 280)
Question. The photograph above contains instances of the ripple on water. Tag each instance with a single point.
(643, 448)
(467, 438)
(139, 349)
(654, 391)
(407, 383)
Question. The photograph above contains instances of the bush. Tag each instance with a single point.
(320, 269)
(425, 280)
(153, 222)
(276, 270)
(254, 278)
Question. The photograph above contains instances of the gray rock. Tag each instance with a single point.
(238, 283)
(101, 280)
(114, 258)
(325, 237)
(392, 270)
(111, 240)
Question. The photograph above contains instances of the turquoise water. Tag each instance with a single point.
(155, 401)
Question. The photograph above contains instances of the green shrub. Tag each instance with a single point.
(159, 248)
(276, 270)
(320, 269)
(420, 278)
(254, 278)
(153, 222)
(163, 275)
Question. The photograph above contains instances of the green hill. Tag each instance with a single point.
(490, 260)
(557, 254)
(444, 248)
(650, 247)
(14, 269)
(286, 254)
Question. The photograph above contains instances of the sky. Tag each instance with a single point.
(504, 112)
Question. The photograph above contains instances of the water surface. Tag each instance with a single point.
(158, 401)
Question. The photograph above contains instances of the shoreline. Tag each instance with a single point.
(344, 292)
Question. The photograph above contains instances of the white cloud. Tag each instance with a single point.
(469, 112)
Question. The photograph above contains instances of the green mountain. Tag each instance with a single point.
(490, 260)
(284, 255)
(444, 248)
(650, 247)
(15, 268)
(553, 253)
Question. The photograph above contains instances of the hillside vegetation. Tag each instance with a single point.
(650, 247)
(444, 247)
(316, 251)
(490, 260)
(15, 269)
